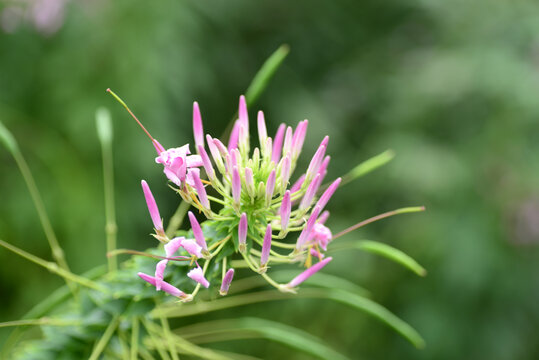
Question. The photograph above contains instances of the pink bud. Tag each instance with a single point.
(243, 116)
(316, 161)
(285, 171)
(299, 138)
(323, 167)
(215, 153)
(173, 245)
(197, 126)
(249, 181)
(152, 208)
(234, 136)
(287, 147)
(278, 143)
(311, 191)
(286, 207)
(306, 232)
(236, 185)
(328, 193)
(308, 273)
(227, 279)
(159, 273)
(270, 186)
(242, 232)
(298, 184)
(262, 132)
(198, 275)
(197, 231)
(222, 148)
(174, 291)
(269, 148)
(325, 141)
(266, 246)
(201, 191)
(206, 162)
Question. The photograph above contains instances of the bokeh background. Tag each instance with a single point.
(451, 86)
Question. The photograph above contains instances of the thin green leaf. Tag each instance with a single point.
(379, 312)
(264, 75)
(357, 301)
(7, 139)
(253, 327)
(391, 253)
(368, 165)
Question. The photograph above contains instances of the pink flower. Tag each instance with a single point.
(177, 163)
(308, 273)
(197, 275)
(166, 287)
(227, 279)
(192, 248)
(321, 235)
(173, 245)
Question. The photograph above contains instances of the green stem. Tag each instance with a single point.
(57, 251)
(168, 334)
(134, 337)
(104, 131)
(379, 217)
(40, 322)
(103, 341)
(54, 268)
(154, 340)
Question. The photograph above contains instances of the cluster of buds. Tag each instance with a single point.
(247, 193)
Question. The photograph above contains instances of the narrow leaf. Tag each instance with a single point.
(7, 139)
(253, 327)
(264, 75)
(368, 165)
(379, 312)
(391, 253)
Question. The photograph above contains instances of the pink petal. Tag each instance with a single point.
(197, 275)
(309, 272)
(172, 290)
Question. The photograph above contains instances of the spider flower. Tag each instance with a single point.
(252, 213)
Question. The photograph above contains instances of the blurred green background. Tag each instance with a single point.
(450, 86)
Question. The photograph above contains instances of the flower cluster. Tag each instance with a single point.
(245, 193)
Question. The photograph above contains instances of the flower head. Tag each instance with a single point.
(254, 198)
